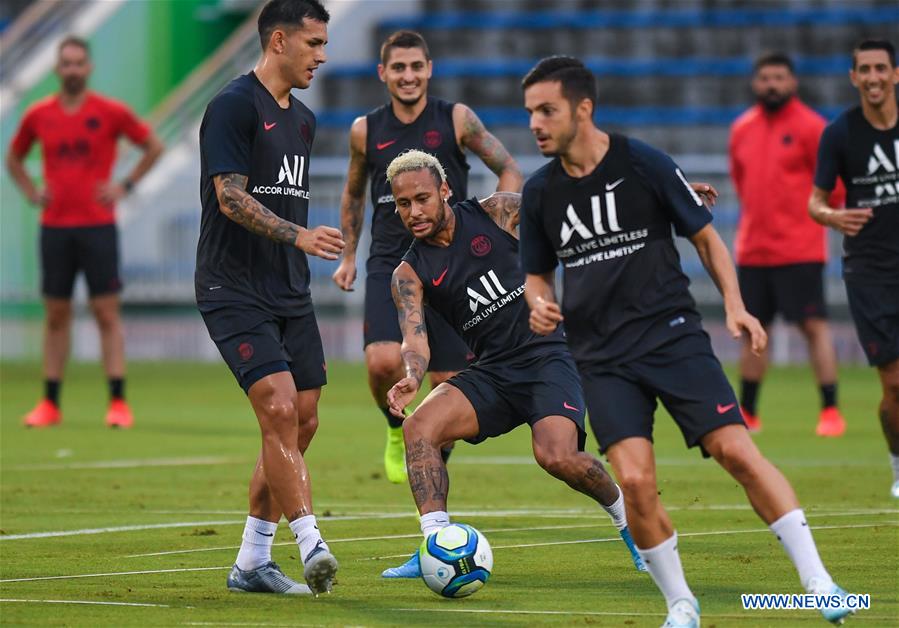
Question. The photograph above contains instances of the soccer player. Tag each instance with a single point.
(252, 281)
(78, 130)
(780, 251)
(411, 119)
(861, 147)
(464, 262)
(605, 207)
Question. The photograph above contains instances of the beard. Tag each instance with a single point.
(773, 101)
(74, 84)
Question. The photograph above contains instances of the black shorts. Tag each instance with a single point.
(67, 250)
(684, 374)
(875, 310)
(523, 389)
(448, 351)
(256, 343)
(794, 290)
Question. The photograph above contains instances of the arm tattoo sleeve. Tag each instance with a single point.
(238, 205)
(504, 208)
(410, 309)
(485, 145)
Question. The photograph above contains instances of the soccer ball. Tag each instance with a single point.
(455, 561)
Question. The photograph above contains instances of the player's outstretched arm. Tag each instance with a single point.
(847, 221)
(474, 135)
(352, 205)
(240, 206)
(716, 259)
(408, 295)
(539, 292)
(505, 209)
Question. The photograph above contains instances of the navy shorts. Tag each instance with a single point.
(875, 310)
(522, 390)
(67, 250)
(794, 290)
(448, 351)
(683, 374)
(256, 343)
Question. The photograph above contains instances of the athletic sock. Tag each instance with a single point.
(392, 421)
(308, 537)
(433, 521)
(828, 395)
(794, 534)
(117, 388)
(616, 511)
(663, 563)
(749, 391)
(51, 391)
(256, 547)
(894, 460)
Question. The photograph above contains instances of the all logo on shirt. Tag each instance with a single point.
(886, 182)
(290, 179)
(487, 297)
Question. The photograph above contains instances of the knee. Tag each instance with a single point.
(890, 381)
(736, 459)
(308, 426)
(417, 429)
(384, 368)
(278, 417)
(59, 318)
(556, 462)
(636, 484)
(107, 318)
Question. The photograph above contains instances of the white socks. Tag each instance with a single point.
(794, 534)
(616, 512)
(433, 521)
(894, 460)
(663, 563)
(307, 535)
(256, 547)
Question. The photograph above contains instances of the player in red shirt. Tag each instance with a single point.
(78, 131)
(780, 251)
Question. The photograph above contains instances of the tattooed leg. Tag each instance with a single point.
(428, 478)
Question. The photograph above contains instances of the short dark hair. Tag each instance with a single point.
(74, 40)
(875, 44)
(577, 81)
(773, 58)
(289, 13)
(404, 39)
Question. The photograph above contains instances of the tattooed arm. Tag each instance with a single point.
(504, 208)
(240, 206)
(408, 296)
(352, 204)
(471, 133)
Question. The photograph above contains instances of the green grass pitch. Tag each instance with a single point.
(177, 483)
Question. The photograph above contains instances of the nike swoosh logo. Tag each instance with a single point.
(612, 186)
(264, 534)
(722, 409)
(439, 280)
(383, 145)
(569, 407)
(269, 127)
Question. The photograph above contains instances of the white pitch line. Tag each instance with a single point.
(115, 573)
(97, 603)
(86, 531)
(679, 534)
(388, 537)
(497, 611)
(134, 463)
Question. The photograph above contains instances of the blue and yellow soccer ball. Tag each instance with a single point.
(456, 561)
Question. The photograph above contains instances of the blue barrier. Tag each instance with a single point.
(690, 66)
(670, 18)
(623, 116)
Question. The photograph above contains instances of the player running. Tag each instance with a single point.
(411, 119)
(605, 207)
(464, 263)
(861, 147)
(78, 130)
(252, 281)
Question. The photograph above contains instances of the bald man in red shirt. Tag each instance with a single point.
(780, 250)
(78, 130)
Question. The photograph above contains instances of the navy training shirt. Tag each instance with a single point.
(477, 285)
(867, 160)
(245, 131)
(433, 132)
(624, 292)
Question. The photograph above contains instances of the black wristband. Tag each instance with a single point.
(128, 184)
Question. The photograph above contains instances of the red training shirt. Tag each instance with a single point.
(79, 149)
(772, 164)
